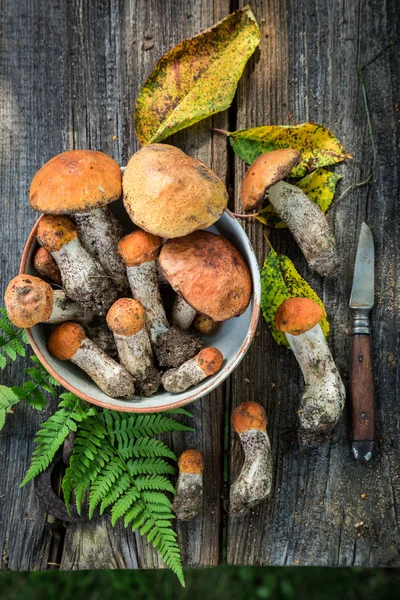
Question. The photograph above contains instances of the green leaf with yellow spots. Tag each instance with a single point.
(280, 281)
(317, 145)
(320, 187)
(197, 78)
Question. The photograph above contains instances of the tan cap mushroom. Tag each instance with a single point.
(75, 181)
(298, 315)
(171, 194)
(139, 247)
(265, 171)
(209, 272)
(29, 300)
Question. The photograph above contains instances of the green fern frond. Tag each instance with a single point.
(31, 391)
(178, 411)
(7, 401)
(53, 432)
(145, 447)
(12, 340)
(147, 466)
(120, 487)
(154, 482)
(121, 427)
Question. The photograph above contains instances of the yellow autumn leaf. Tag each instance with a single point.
(197, 78)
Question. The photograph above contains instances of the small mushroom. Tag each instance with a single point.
(205, 325)
(170, 194)
(139, 251)
(84, 279)
(46, 266)
(253, 484)
(266, 170)
(207, 362)
(30, 300)
(69, 341)
(82, 183)
(188, 500)
(308, 226)
(323, 399)
(127, 320)
(209, 273)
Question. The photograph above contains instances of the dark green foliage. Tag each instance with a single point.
(12, 340)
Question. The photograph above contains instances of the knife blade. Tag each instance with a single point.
(361, 380)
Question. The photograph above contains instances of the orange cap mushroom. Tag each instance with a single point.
(298, 315)
(249, 415)
(267, 169)
(139, 247)
(46, 266)
(65, 340)
(126, 317)
(191, 461)
(55, 231)
(209, 360)
(29, 300)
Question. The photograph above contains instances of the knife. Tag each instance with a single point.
(361, 380)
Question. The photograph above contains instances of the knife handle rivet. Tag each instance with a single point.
(363, 415)
(360, 358)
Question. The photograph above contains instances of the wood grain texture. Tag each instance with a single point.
(70, 74)
(306, 70)
(362, 390)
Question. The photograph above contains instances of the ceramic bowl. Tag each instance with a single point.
(232, 338)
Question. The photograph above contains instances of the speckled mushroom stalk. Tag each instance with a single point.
(188, 500)
(46, 266)
(324, 395)
(207, 362)
(139, 251)
(30, 300)
(82, 183)
(84, 279)
(69, 341)
(182, 314)
(308, 226)
(254, 482)
(127, 320)
(99, 232)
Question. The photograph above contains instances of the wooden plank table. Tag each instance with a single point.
(70, 73)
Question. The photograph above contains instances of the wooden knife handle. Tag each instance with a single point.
(362, 390)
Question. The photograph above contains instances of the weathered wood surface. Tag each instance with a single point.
(70, 73)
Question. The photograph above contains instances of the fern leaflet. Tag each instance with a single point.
(12, 340)
(31, 391)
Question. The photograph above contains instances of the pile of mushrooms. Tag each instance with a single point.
(99, 290)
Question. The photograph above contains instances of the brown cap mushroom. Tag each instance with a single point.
(171, 194)
(54, 232)
(29, 300)
(266, 170)
(46, 266)
(139, 247)
(298, 315)
(75, 181)
(126, 317)
(209, 272)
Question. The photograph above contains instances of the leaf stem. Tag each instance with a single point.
(222, 131)
(368, 116)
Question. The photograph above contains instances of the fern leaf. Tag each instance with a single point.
(103, 483)
(12, 340)
(146, 447)
(148, 466)
(154, 482)
(122, 427)
(120, 487)
(123, 504)
(7, 400)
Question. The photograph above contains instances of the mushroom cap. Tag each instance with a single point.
(298, 315)
(249, 415)
(267, 169)
(65, 340)
(139, 247)
(46, 266)
(209, 360)
(76, 181)
(171, 194)
(209, 272)
(29, 300)
(126, 317)
(204, 324)
(54, 232)
(191, 461)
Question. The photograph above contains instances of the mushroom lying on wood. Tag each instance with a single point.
(139, 251)
(82, 183)
(84, 279)
(206, 363)
(126, 319)
(69, 341)
(46, 266)
(253, 484)
(188, 500)
(324, 395)
(266, 170)
(308, 226)
(170, 194)
(30, 300)
(209, 273)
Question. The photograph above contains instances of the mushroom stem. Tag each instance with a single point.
(69, 341)
(253, 484)
(99, 232)
(126, 319)
(182, 314)
(100, 334)
(206, 363)
(324, 395)
(188, 500)
(65, 309)
(308, 225)
(83, 277)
